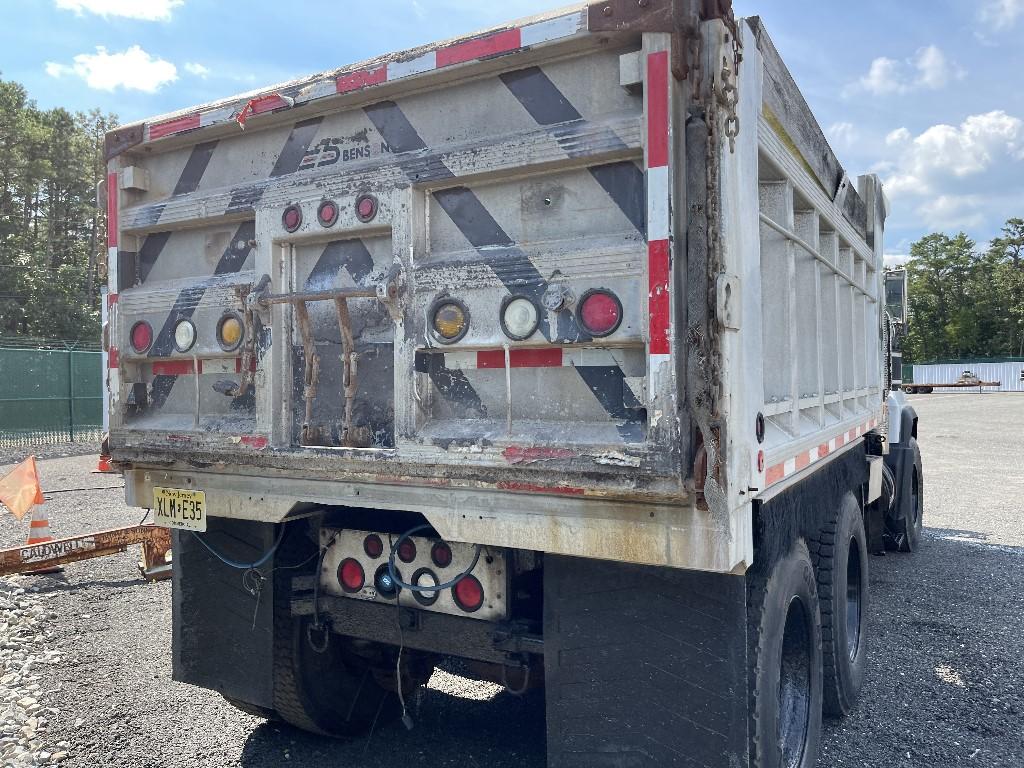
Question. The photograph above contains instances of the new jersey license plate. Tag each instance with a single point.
(178, 508)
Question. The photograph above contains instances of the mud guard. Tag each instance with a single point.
(223, 640)
(644, 666)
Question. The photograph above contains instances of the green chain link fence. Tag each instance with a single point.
(51, 392)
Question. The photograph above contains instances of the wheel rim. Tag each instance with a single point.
(795, 684)
(853, 599)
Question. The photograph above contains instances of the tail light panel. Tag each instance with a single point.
(483, 595)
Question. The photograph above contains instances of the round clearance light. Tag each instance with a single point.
(469, 594)
(366, 208)
(351, 575)
(386, 586)
(407, 551)
(327, 213)
(519, 318)
(292, 218)
(424, 578)
(441, 554)
(600, 312)
(373, 546)
(450, 320)
(229, 332)
(184, 335)
(141, 336)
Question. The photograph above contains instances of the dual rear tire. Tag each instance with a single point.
(808, 649)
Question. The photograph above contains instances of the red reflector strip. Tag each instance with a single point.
(171, 127)
(111, 299)
(112, 190)
(520, 358)
(174, 367)
(659, 299)
(267, 103)
(184, 367)
(353, 81)
(481, 47)
(113, 358)
(804, 459)
(516, 454)
(256, 442)
(657, 109)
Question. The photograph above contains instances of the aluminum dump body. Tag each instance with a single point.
(546, 160)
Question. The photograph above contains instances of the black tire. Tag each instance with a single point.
(910, 390)
(840, 557)
(785, 662)
(251, 709)
(911, 522)
(927, 390)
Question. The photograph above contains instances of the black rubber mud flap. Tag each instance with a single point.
(644, 666)
(223, 636)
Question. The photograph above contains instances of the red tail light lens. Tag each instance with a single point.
(600, 312)
(469, 594)
(141, 336)
(366, 208)
(373, 546)
(327, 213)
(441, 554)
(407, 551)
(292, 218)
(351, 575)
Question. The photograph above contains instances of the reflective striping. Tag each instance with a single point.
(362, 78)
(548, 357)
(113, 358)
(659, 256)
(176, 125)
(194, 169)
(479, 48)
(112, 222)
(350, 254)
(150, 251)
(804, 459)
(520, 358)
(460, 52)
(184, 367)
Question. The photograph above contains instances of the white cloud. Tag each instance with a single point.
(133, 69)
(998, 15)
(927, 69)
(196, 69)
(957, 174)
(145, 10)
(843, 134)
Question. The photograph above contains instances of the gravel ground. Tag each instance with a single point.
(945, 682)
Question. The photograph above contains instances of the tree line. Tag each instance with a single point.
(52, 234)
(966, 302)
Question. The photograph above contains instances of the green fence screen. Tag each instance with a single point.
(50, 396)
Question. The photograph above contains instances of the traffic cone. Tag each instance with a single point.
(39, 533)
(104, 463)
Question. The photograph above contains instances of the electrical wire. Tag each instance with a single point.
(244, 566)
(433, 587)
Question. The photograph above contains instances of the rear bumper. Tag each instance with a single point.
(530, 517)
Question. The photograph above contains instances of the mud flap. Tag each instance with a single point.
(644, 666)
(223, 639)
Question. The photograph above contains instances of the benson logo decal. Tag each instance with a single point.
(331, 150)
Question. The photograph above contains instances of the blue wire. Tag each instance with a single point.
(435, 587)
(243, 566)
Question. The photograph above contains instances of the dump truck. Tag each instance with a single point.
(557, 349)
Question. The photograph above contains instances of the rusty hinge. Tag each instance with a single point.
(680, 18)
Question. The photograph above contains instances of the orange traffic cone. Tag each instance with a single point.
(39, 533)
(104, 463)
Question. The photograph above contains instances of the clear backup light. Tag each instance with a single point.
(184, 335)
(519, 318)
(425, 578)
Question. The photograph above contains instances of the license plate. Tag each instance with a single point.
(178, 508)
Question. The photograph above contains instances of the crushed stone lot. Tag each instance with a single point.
(85, 667)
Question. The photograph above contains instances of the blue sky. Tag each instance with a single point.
(924, 92)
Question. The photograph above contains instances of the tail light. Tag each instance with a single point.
(366, 208)
(351, 575)
(327, 213)
(469, 594)
(519, 318)
(450, 320)
(600, 312)
(291, 219)
(373, 546)
(141, 336)
(441, 555)
(407, 551)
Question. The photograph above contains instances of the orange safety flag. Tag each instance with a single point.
(20, 490)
